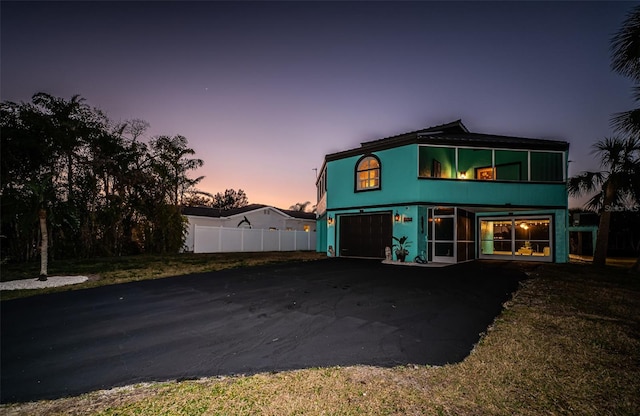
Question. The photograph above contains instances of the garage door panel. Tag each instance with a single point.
(365, 235)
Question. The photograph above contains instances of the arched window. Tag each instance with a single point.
(368, 173)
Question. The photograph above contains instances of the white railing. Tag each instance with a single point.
(209, 239)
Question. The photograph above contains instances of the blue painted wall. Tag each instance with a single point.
(321, 234)
(398, 179)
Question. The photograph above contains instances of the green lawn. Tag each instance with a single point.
(568, 343)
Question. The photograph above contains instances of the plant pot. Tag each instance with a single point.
(401, 256)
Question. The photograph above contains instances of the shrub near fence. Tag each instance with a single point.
(209, 239)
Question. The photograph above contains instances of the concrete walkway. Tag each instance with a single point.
(269, 318)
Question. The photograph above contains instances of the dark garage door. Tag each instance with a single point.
(365, 235)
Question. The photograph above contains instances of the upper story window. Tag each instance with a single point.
(368, 173)
(546, 167)
(321, 184)
(490, 164)
(437, 162)
(475, 164)
(512, 165)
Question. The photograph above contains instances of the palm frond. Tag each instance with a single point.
(596, 202)
(626, 121)
(625, 46)
(635, 93)
(586, 183)
(608, 151)
(635, 182)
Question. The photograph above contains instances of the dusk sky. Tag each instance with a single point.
(263, 91)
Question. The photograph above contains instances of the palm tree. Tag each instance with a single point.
(625, 60)
(303, 207)
(615, 184)
(171, 164)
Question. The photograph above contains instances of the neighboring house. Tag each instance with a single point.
(624, 231)
(253, 216)
(456, 195)
(583, 231)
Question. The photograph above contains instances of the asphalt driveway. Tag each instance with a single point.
(269, 318)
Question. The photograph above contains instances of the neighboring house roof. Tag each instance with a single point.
(453, 134)
(218, 213)
(201, 211)
(299, 214)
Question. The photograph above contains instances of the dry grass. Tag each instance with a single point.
(114, 270)
(567, 343)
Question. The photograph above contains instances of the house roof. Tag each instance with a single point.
(218, 213)
(453, 134)
(453, 127)
(299, 214)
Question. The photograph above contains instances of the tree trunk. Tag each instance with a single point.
(69, 176)
(44, 245)
(602, 240)
(636, 267)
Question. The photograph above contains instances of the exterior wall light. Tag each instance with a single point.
(330, 220)
(397, 217)
(463, 175)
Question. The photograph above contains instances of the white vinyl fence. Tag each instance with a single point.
(209, 239)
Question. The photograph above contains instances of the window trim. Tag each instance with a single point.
(357, 171)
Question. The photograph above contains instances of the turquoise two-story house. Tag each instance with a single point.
(455, 195)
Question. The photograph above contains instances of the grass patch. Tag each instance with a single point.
(114, 270)
(567, 343)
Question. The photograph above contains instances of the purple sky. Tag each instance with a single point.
(263, 91)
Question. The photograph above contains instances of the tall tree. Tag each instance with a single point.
(198, 200)
(614, 185)
(172, 165)
(77, 185)
(230, 199)
(70, 124)
(28, 179)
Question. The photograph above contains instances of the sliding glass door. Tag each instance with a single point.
(519, 238)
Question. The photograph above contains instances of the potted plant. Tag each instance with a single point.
(401, 247)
